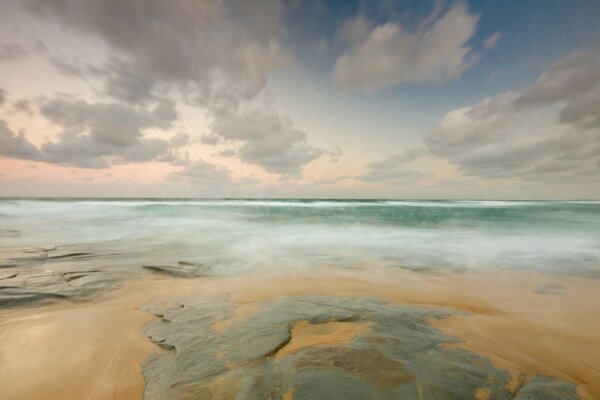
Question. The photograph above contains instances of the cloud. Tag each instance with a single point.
(200, 173)
(267, 138)
(12, 52)
(573, 81)
(113, 124)
(210, 139)
(387, 54)
(491, 40)
(2, 96)
(203, 46)
(179, 140)
(548, 132)
(227, 153)
(16, 145)
(22, 106)
(215, 53)
(331, 181)
(128, 85)
(97, 135)
(394, 169)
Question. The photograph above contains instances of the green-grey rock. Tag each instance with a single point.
(401, 357)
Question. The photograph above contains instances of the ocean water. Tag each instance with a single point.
(240, 235)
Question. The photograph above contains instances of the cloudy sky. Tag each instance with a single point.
(363, 99)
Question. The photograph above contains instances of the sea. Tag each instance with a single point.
(234, 235)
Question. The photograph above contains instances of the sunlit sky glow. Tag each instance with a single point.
(367, 99)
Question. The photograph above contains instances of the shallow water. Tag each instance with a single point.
(240, 235)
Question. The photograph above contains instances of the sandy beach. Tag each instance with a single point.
(95, 349)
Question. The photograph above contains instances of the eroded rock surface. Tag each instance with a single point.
(43, 274)
(182, 269)
(400, 356)
(546, 388)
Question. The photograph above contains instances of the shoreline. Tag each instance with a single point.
(103, 340)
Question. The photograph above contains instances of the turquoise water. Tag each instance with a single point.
(234, 235)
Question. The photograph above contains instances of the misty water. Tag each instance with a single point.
(240, 235)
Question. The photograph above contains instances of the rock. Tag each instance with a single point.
(182, 269)
(552, 289)
(546, 388)
(400, 356)
(43, 274)
(35, 285)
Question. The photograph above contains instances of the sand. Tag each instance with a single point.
(305, 334)
(94, 350)
(68, 351)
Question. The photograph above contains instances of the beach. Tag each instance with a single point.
(89, 315)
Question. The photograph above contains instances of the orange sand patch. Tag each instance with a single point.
(305, 334)
(289, 394)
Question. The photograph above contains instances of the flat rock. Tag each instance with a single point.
(546, 388)
(19, 286)
(400, 356)
(182, 269)
(42, 274)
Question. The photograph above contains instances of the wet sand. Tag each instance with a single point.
(73, 351)
(305, 334)
(94, 350)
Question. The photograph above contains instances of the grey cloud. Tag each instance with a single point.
(11, 52)
(17, 146)
(574, 81)
(227, 153)
(331, 181)
(112, 124)
(71, 68)
(205, 45)
(97, 135)
(394, 169)
(128, 85)
(23, 106)
(179, 140)
(210, 139)
(216, 53)
(2, 96)
(82, 151)
(387, 54)
(268, 139)
(200, 173)
(549, 132)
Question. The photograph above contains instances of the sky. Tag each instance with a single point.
(313, 99)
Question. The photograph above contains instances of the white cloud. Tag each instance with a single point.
(491, 40)
(387, 54)
(548, 132)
